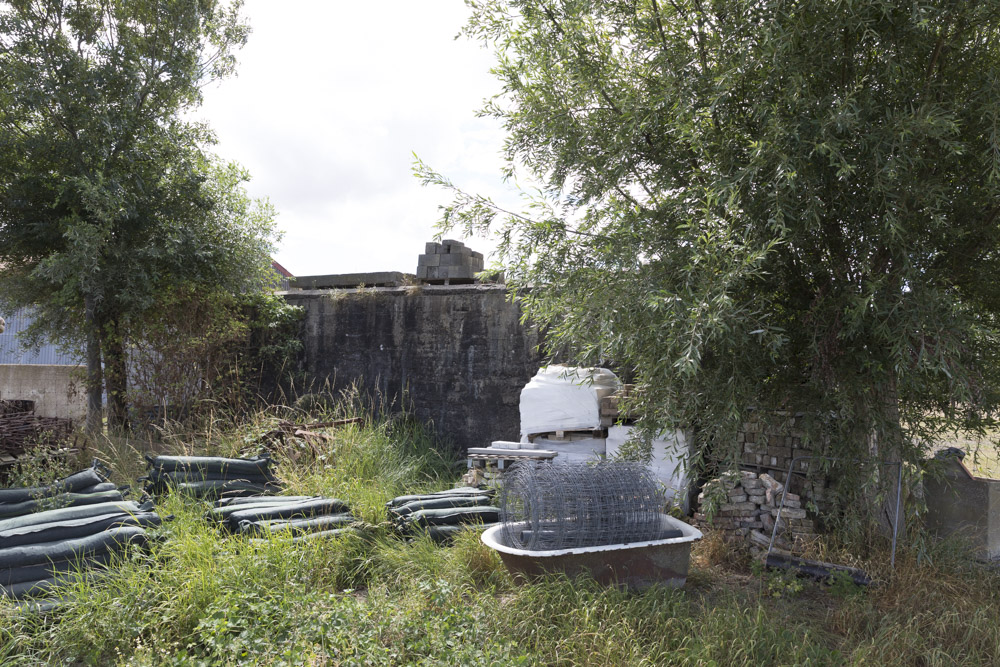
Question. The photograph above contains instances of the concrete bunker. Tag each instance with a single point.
(959, 503)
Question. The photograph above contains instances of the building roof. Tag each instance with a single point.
(280, 269)
(11, 351)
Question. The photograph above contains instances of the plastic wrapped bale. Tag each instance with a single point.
(565, 398)
(224, 507)
(302, 526)
(440, 502)
(71, 513)
(254, 516)
(443, 534)
(293, 515)
(546, 506)
(452, 516)
(68, 529)
(58, 501)
(33, 569)
(466, 496)
(201, 465)
(228, 488)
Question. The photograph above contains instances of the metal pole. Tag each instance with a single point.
(895, 519)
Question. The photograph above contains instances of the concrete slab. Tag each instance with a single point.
(460, 273)
(346, 280)
(958, 502)
(451, 260)
(56, 390)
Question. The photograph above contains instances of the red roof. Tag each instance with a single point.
(280, 269)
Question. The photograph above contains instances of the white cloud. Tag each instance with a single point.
(330, 101)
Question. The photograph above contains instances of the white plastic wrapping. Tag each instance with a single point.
(573, 448)
(667, 461)
(565, 398)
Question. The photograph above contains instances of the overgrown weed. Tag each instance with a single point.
(203, 597)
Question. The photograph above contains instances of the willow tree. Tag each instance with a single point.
(775, 203)
(107, 196)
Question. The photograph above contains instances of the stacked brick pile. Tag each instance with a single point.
(772, 449)
(449, 261)
(743, 506)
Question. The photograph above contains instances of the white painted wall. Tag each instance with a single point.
(56, 390)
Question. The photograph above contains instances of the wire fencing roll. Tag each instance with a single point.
(549, 506)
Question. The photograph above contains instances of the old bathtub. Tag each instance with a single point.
(636, 566)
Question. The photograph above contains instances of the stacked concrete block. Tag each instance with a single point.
(743, 506)
(449, 262)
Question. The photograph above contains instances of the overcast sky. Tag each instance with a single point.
(331, 100)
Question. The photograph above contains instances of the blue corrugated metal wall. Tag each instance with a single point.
(11, 351)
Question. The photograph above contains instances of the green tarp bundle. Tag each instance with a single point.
(67, 529)
(75, 525)
(210, 476)
(272, 515)
(443, 514)
(84, 487)
(29, 568)
(57, 501)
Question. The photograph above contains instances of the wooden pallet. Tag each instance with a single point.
(481, 457)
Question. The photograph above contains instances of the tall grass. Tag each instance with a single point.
(202, 597)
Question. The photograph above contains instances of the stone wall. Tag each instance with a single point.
(52, 388)
(459, 353)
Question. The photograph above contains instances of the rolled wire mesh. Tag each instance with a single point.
(548, 506)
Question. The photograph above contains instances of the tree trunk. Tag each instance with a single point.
(116, 377)
(95, 380)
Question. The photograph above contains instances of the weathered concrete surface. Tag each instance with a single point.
(459, 353)
(958, 502)
(53, 388)
(370, 279)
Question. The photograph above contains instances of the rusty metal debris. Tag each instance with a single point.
(288, 436)
(818, 570)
